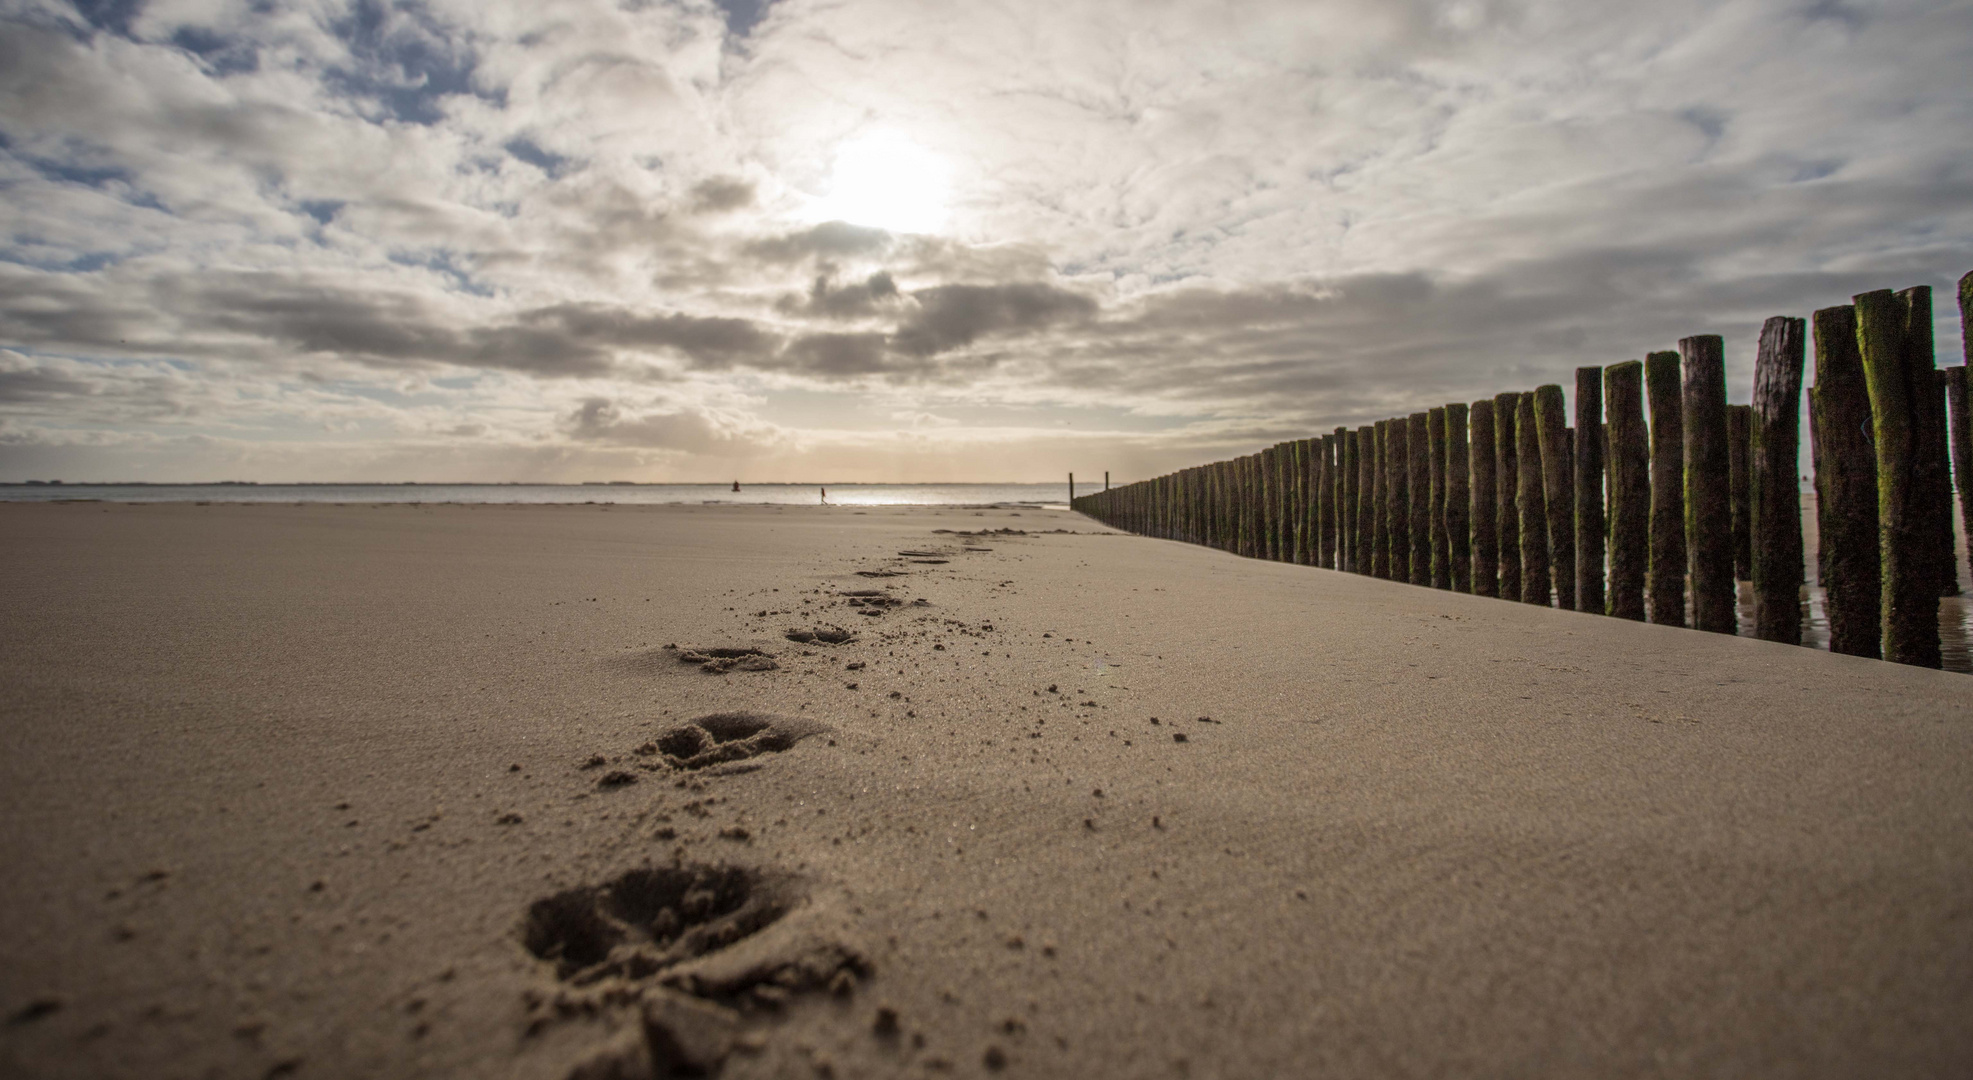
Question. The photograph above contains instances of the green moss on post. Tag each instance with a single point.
(1346, 486)
(1558, 480)
(1666, 586)
(1440, 553)
(1485, 502)
(1458, 501)
(1380, 540)
(1589, 523)
(1397, 506)
(1899, 378)
(1366, 500)
(1708, 502)
(1418, 497)
(1536, 587)
(1507, 503)
(1774, 500)
(1847, 558)
(1629, 471)
(1738, 446)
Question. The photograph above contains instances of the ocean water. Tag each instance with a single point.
(1040, 495)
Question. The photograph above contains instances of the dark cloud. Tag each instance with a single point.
(861, 300)
(952, 316)
(721, 194)
(602, 420)
(829, 240)
(837, 356)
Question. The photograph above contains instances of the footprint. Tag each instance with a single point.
(647, 920)
(822, 635)
(726, 738)
(881, 573)
(719, 661)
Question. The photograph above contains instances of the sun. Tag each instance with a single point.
(887, 182)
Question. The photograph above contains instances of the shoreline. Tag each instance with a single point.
(1420, 831)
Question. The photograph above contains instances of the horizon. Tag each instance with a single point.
(366, 241)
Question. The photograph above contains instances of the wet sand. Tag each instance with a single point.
(316, 791)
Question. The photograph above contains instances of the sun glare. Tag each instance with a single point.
(886, 182)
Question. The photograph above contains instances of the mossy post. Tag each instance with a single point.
(1441, 552)
(1380, 540)
(1314, 473)
(1339, 496)
(1774, 495)
(1366, 500)
(1270, 503)
(1324, 504)
(1708, 499)
(1346, 501)
(1739, 491)
(1589, 524)
(1934, 466)
(1536, 588)
(1961, 427)
(1418, 496)
(1666, 586)
(1629, 471)
(1558, 489)
(1507, 504)
(1848, 564)
(1397, 507)
(1458, 501)
(1899, 378)
(1484, 505)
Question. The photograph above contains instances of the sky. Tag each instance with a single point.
(914, 240)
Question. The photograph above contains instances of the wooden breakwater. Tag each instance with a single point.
(1503, 497)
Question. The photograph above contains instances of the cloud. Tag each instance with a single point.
(951, 316)
(687, 431)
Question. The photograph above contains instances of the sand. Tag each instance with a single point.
(346, 791)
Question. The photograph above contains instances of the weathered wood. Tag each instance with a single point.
(1960, 424)
(1366, 500)
(1629, 472)
(1535, 585)
(1346, 500)
(1270, 498)
(1380, 540)
(1458, 500)
(1848, 563)
(1418, 497)
(1738, 446)
(1507, 505)
(1774, 496)
(1708, 500)
(1440, 554)
(1558, 478)
(1899, 378)
(1589, 524)
(1666, 586)
(1325, 502)
(1933, 467)
(1314, 473)
(1397, 506)
(1484, 501)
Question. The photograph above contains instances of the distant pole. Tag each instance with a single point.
(1072, 489)
(1708, 504)
(1961, 425)
(1847, 557)
(1106, 479)
(1774, 496)
(1535, 584)
(1589, 524)
(1380, 552)
(1346, 481)
(1485, 500)
(1507, 479)
(1458, 499)
(1398, 508)
(1326, 502)
(1629, 470)
(1365, 544)
(1898, 376)
(1558, 476)
(1440, 554)
(1739, 447)
(1418, 496)
(1667, 584)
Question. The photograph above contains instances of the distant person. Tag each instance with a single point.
(825, 496)
(736, 485)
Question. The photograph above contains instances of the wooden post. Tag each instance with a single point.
(1535, 583)
(1346, 481)
(1458, 501)
(1072, 489)
(1439, 553)
(1397, 506)
(1629, 471)
(1774, 496)
(1507, 479)
(1848, 561)
(1589, 523)
(1270, 504)
(1418, 495)
(1484, 501)
(1106, 479)
(1380, 539)
(1961, 426)
(1309, 474)
(1326, 502)
(1558, 474)
(1667, 581)
(1708, 503)
(1365, 544)
(1897, 375)
(1738, 446)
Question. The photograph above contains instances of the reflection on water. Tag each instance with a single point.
(1955, 612)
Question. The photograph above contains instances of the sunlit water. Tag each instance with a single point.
(1055, 495)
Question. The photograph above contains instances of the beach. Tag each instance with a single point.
(421, 790)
